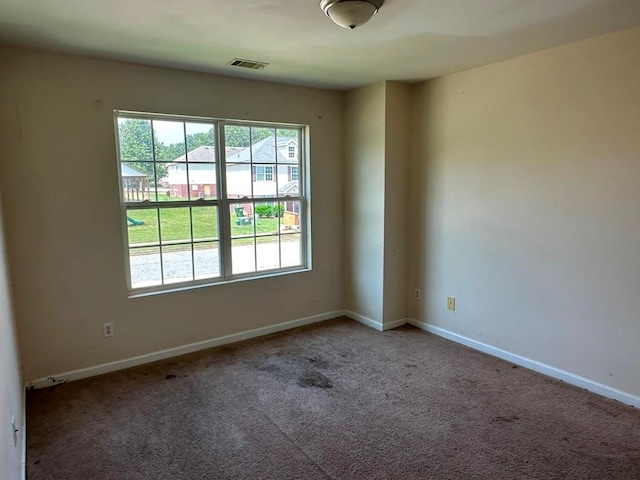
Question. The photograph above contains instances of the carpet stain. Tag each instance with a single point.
(314, 379)
(500, 419)
(301, 369)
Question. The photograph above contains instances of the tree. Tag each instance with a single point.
(136, 147)
(239, 136)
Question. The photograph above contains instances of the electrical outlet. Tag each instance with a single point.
(417, 294)
(14, 430)
(107, 329)
(451, 303)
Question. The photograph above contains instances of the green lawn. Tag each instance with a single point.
(176, 225)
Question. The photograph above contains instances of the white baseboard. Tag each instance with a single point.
(548, 370)
(381, 327)
(364, 320)
(177, 351)
(395, 324)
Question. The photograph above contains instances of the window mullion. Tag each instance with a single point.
(155, 179)
(224, 214)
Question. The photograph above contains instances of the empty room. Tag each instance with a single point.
(304, 239)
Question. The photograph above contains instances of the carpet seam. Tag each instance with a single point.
(297, 447)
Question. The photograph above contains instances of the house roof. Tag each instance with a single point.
(205, 153)
(263, 152)
(289, 187)
(130, 172)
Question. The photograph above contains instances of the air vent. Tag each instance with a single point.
(251, 64)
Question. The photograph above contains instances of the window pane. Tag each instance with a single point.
(169, 140)
(288, 181)
(205, 223)
(173, 186)
(202, 180)
(288, 141)
(237, 137)
(290, 221)
(290, 250)
(268, 253)
(263, 145)
(144, 264)
(238, 180)
(175, 224)
(142, 227)
(200, 142)
(137, 181)
(264, 181)
(134, 139)
(177, 263)
(242, 219)
(243, 255)
(206, 258)
(267, 218)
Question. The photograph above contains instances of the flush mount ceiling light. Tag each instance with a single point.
(350, 13)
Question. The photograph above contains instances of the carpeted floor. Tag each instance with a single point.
(335, 400)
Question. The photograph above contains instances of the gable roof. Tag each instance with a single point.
(264, 151)
(204, 153)
(261, 152)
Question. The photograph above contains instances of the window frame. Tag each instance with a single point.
(222, 203)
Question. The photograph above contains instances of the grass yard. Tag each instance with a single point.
(176, 225)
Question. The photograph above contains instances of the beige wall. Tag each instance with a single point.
(11, 396)
(62, 218)
(364, 200)
(396, 207)
(526, 175)
(376, 173)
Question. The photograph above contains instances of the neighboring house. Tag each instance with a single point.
(275, 171)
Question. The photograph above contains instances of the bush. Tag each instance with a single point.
(264, 210)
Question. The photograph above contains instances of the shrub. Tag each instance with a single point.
(264, 210)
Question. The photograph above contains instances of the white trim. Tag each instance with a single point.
(395, 324)
(23, 454)
(369, 322)
(364, 320)
(559, 374)
(174, 352)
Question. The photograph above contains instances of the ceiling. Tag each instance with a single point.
(408, 40)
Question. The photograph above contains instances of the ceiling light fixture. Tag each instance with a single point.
(350, 13)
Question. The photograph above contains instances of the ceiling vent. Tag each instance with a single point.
(251, 64)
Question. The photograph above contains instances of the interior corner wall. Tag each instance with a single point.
(525, 176)
(376, 174)
(11, 386)
(364, 210)
(396, 203)
(62, 212)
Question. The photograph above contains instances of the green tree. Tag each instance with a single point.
(239, 136)
(137, 144)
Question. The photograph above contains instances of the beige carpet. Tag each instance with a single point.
(331, 401)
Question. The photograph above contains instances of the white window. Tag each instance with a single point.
(235, 221)
(263, 173)
(292, 151)
(294, 174)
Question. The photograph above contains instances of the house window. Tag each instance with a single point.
(237, 220)
(292, 151)
(294, 174)
(263, 173)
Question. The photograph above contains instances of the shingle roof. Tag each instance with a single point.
(289, 187)
(264, 151)
(204, 153)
